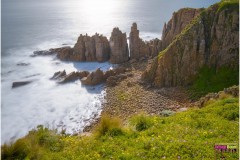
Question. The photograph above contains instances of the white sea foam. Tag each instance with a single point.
(68, 106)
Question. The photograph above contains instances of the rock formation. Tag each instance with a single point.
(118, 47)
(20, 83)
(211, 40)
(178, 22)
(94, 48)
(62, 77)
(155, 46)
(93, 78)
(102, 48)
(138, 48)
(59, 74)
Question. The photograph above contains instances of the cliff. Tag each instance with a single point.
(211, 39)
(177, 23)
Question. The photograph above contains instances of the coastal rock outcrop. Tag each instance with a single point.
(20, 83)
(138, 48)
(178, 22)
(93, 78)
(87, 48)
(73, 76)
(118, 47)
(102, 48)
(210, 40)
(59, 74)
(62, 77)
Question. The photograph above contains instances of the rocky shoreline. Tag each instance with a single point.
(132, 96)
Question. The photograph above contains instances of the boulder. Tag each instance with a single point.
(20, 83)
(109, 73)
(93, 78)
(73, 76)
(118, 47)
(59, 74)
(42, 53)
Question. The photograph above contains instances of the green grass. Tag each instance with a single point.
(228, 4)
(109, 126)
(210, 80)
(189, 135)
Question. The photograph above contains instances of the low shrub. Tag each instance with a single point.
(141, 122)
(19, 150)
(109, 126)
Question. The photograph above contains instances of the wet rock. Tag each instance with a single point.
(20, 83)
(23, 64)
(73, 76)
(59, 74)
(42, 53)
(64, 53)
(93, 78)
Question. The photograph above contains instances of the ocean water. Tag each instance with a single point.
(29, 25)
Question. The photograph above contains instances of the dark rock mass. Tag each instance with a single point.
(20, 83)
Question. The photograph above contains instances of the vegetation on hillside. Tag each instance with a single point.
(186, 135)
(212, 80)
(229, 4)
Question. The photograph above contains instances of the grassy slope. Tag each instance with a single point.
(190, 135)
(210, 80)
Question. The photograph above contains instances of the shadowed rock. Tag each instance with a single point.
(59, 74)
(93, 78)
(20, 83)
(73, 76)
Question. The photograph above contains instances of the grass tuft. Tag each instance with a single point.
(141, 122)
(109, 126)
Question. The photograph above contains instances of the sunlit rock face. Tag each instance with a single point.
(178, 22)
(137, 47)
(95, 48)
(211, 40)
(118, 47)
(102, 48)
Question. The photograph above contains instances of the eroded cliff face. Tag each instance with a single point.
(87, 48)
(178, 22)
(118, 47)
(210, 40)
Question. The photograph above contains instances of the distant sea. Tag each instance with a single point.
(30, 25)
